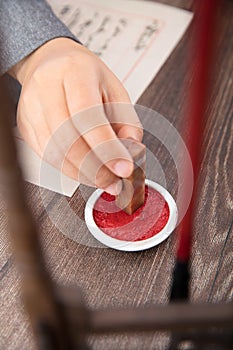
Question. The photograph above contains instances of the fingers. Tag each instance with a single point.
(124, 120)
(95, 129)
(91, 170)
(121, 112)
(62, 146)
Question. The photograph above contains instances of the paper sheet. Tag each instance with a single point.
(134, 38)
(41, 173)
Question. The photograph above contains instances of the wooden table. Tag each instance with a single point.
(114, 278)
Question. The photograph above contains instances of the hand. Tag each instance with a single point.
(61, 81)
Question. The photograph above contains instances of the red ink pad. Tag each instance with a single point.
(148, 226)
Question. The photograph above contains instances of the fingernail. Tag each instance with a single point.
(114, 188)
(123, 168)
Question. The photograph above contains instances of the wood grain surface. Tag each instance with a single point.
(114, 278)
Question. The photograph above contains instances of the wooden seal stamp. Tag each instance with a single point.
(132, 195)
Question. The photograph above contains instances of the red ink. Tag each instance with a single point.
(144, 223)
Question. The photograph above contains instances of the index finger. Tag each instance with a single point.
(96, 130)
(124, 120)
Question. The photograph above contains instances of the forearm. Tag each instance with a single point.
(25, 25)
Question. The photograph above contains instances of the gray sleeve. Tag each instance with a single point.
(25, 25)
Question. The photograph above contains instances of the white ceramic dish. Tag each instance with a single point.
(127, 245)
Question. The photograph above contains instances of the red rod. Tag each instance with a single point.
(200, 63)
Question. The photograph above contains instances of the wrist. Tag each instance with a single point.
(17, 70)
